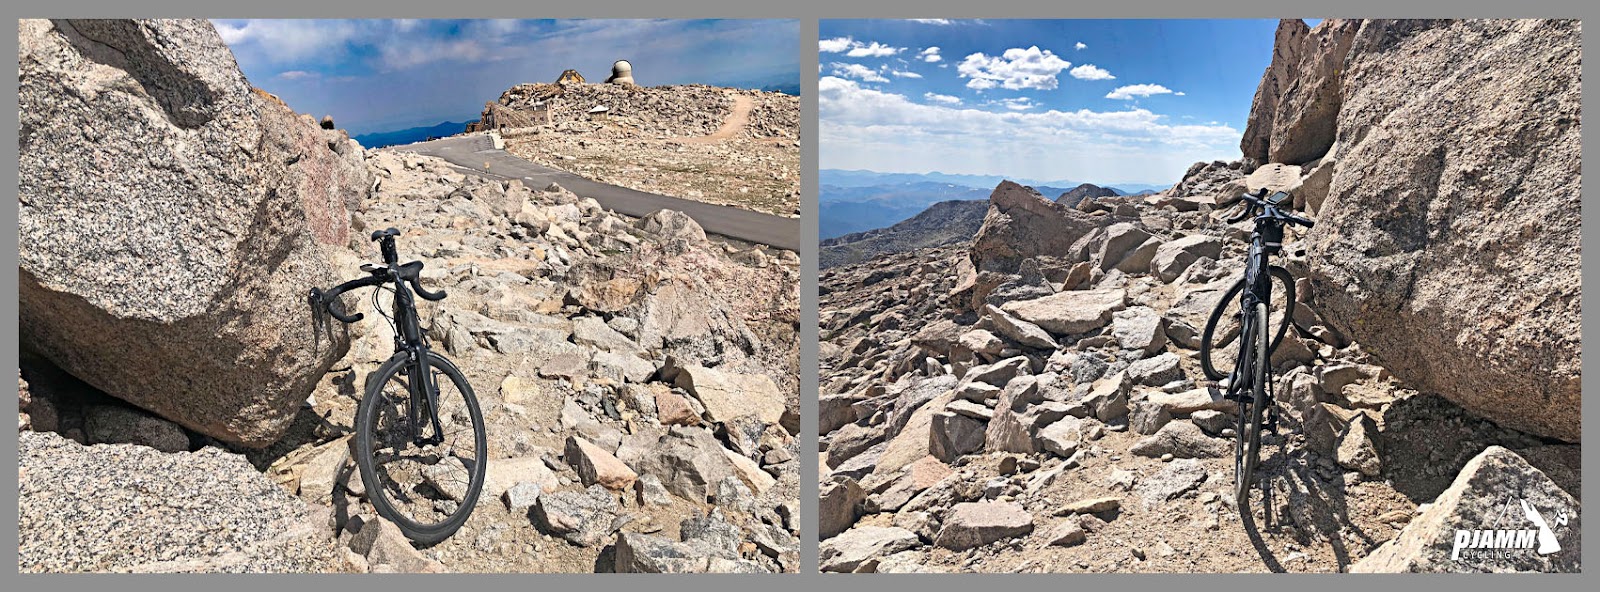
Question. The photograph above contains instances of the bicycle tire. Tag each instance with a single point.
(1247, 446)
(367, 414)
(1230, 300)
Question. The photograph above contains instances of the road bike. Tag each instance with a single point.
(1250, 333)
(420, 443)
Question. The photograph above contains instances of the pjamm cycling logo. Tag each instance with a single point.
(1505, 542)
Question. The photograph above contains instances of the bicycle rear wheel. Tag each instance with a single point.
(1247, 445)
(1219, 343)
(423, 477)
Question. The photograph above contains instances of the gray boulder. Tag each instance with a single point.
(1292, 116)
(171, 220)
(1449, 241)
(1496, 492)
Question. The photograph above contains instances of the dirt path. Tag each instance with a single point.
(738, 118)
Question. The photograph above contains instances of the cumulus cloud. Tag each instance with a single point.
(1080, 45)
(873, 50)
(856, 49)
(940, 22)
(904, 74)
(858, 72)
(942, 99)
(835, 45)
(296, 75)
(1016, 104)
(1016, 69)
(296, 39)
(930, 55)
(1138, 90)
(1091, 72)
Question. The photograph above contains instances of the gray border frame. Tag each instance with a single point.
(807, 13)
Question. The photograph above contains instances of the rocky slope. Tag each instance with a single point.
(639, 381)
(1029, 401)
(1061, 428)
(941, 224)
(719, 145)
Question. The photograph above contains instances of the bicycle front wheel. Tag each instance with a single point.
(1247, 446)
(422, 459)
(1219, 343)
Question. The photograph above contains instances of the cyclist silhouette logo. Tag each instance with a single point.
(1503, 537)
(1547, 535)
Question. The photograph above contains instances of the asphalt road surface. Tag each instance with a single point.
(477, 153)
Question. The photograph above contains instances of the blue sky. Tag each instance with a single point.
(381, 75)
(1101, 101)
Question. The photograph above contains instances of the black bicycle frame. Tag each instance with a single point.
(1258, 289)
(409, 339)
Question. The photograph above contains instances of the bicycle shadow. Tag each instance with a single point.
(1310, 509)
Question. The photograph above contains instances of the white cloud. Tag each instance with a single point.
(294, 39)
(1138, 90)
(863, 127)
(856, 49)
(1016, 104)
(904, 74)
(399, 56)
(1016, 69)
(296, 75)
(873, 50)
(930, 55)
(1179, 93)
(1091, 72)
(835, 45)
(940, 22)
(1080, 45)
(857, 71)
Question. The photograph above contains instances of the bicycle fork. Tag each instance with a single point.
(424, 395)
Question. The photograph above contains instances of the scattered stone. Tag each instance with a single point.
(596, 466)
(583, 518)
(1156, 371)
(1173, 480)
(1183, 440)
(1072, 312)
(1139, 328)
(859, 549)
(977, 524)
(1066, 534)
(727, 396)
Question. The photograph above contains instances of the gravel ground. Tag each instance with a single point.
(129, 508)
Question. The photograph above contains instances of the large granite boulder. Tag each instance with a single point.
(1021, 225)
(1292, 119)
(1500, 515)
(171, 221)
(1448, 246)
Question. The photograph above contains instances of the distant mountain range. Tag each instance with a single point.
(858, 201)
(844, 210)
(411, 135)
(864, 178)
(940, 224)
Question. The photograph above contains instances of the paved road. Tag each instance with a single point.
(476, 152)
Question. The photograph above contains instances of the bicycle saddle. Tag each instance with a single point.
(378, 234)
